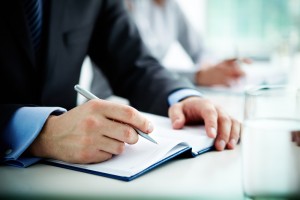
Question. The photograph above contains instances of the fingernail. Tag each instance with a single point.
(213, 132)
(222, 144)
(150, 127)
(232, 142)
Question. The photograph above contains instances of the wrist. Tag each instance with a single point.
(200, 77)
(40, 146)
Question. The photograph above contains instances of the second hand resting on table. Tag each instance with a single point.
(98, 129)
(226, 73)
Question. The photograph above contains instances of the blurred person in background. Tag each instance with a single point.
(162, 22)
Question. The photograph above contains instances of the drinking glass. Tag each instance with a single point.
(270, 142)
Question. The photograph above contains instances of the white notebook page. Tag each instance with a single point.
(144, 153)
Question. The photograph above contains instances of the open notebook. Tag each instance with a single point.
(143, 156)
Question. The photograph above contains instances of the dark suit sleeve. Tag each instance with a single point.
(132, 72)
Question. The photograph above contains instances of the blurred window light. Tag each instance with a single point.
(254, 27)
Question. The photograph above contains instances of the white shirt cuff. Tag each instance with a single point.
(178, 95)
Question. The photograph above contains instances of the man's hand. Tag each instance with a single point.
(218, 124)
(225, 73)
(90, 133)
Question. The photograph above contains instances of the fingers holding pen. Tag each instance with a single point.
(119, 121)
(120, 132)
(125, 114)
(99, 138)
(119, 112)
(88, 134)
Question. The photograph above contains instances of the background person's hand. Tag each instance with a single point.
(225, 73)
(218, 124)
(90, 133)
(296, 137)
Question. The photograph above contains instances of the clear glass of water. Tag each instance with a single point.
(270, 142)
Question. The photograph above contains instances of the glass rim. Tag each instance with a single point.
(257, 90)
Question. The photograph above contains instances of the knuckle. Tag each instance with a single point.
(207, 102)
(133, 139)
(235, 134)
(93, 105)
(90, 123)
(210, 111)
(85, 140)
(223, 136)
(211, 123)
(145, 124)
(236, 131)
(234, 121)
(128, 133)
(224, 119)
(105, 157)
(130, 113)
(120, 148)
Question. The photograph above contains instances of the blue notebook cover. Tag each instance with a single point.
(144, 156)
(122, 178)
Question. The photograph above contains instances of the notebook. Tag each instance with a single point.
(144, 156)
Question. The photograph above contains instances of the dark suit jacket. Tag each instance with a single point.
(74, 29)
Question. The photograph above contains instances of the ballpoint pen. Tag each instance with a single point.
(238, 59)
(90, 96)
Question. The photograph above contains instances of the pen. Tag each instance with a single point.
(90, 96)
(237, 56)
(239, 59)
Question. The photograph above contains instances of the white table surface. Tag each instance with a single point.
(214, 175)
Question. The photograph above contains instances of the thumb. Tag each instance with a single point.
(177, 116)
